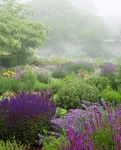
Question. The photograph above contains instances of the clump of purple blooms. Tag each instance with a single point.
(93, 123)
(73, 118)
(23, 114)
(108, 69)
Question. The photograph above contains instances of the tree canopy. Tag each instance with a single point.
(17, 33)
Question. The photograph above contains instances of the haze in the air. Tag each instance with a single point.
(80, 25)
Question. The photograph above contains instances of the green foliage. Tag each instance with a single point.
(43, 76)
(103, 137)
(60, 112)
(111, 96)
(15, 59)
(52, 143)
(18, 36)
(60, 73)
(29, 78)
(11, 146)
(9, 84)
(55, 85)
(73, 92)
(98, 81)
(40, 86)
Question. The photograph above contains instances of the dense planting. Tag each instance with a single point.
(80, 120)
(99, 131)
(24, 116)
(93, 129)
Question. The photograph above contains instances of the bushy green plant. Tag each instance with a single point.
(111, 96)
(52, 143)
(10, 146)
(103, 137)
(40, 86)
(68, 97)
(9, 84)
(71, 67)
(60, 112)
(43, 75)
(55, 85)
(60, 73)
(98, 81)
(29, 78)
(73, 92)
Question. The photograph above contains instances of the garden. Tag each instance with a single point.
(61, 104)
(74, 106)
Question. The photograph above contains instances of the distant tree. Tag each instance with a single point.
(17, 34)
(68, 25)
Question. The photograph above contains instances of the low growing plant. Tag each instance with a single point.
(11, 146)
(111, 96)
(73, 92)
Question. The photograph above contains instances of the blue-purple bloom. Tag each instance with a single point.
(108, 69)
(25, 113)
(83, 125)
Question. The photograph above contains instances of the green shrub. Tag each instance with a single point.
(73, 92)
(14, 60)
(60, 73)
(71, 67)
(43, 75)
(99, 82)
(7, 84)
(40, 86)
(111, 96)
(11, 146)
(29, 78)
(55, 85)
(103, 137)
(115, 81)
(60, 112)
(52, 143)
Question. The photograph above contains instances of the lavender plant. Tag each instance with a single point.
(26, 115)
(108, 69)
(98, 131)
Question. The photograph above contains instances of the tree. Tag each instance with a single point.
(68, 25)
(17, 34)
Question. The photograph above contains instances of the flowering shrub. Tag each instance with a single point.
(24, 116)
(9, 74)
(108, 69)
(67, 68)
(73, 118)
(99, 131)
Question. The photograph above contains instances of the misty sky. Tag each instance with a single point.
(104, 7)
(108, 7)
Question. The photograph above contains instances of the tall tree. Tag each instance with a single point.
(17, 34)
